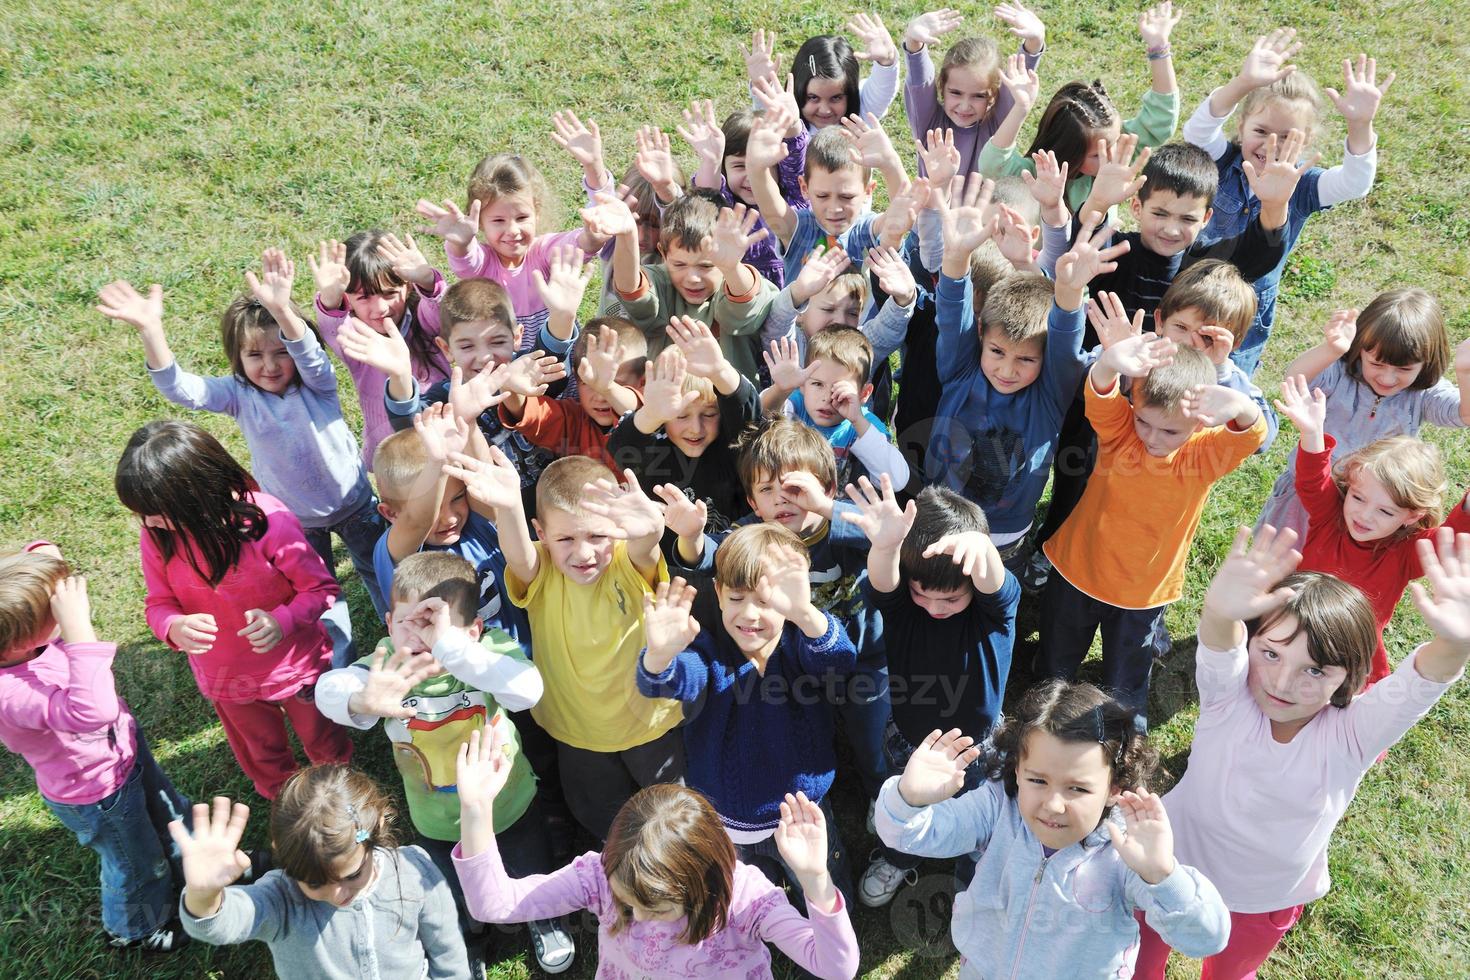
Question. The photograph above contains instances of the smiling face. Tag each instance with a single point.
(1161, 431)
(1009, 365)
(509, 226)
(1169, 223)
(838, 197)
(376, 309)
(692, 273)
(1062, 788)
(1370, 512)
(834, 306)
(1285, 682)
(480, 344)
(265, 361)
(968, 97)
(580, 545)
(351, 873)
(1273, 117)
(696, 428)
(749, 619)
(1384, 378)
(737, 178)
(941, 603)
(826, 102)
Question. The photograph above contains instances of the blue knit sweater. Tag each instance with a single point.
(749, 739)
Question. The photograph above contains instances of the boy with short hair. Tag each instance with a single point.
(761, 727)
(1119, 557)
(437, 676)
(580, 583)
(830, 394)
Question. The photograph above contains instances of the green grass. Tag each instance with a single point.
(171, 142)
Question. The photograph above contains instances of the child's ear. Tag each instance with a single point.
(866, 393)
(476, 628)
(389, 512)
(801, 182)
(872, 186)
(1135, 206)
(1035, 234)
(443, 347)
(536, 528)
(1209, 213)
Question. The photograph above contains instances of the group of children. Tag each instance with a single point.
(639, 572)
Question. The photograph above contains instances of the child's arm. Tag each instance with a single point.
(965, 225)
(1119, 175)
(1444, 606)
(1048, 185)
(1214, 405)
(1275, 183)
(1244, 588)
(1023, 87)
(272, 290)
(1462, 378)
(313, 586)
(329, 269)
(442, 433)
(1134, 357)
(1337, 337)
(735, 232)
(887, 329)
(917, 812)
(703, 357)
(1267, 62)
(655, 163)
(701, 130)
(826, 945)
(1155, 25)
(1358, 103)
(561, 289)
(584, 143)
(211, 854)
(871, 147)
(120, 301)
(687, 519)
(636, 518)
(919, 100)
(357, 698)
(1090, 257)
(664, 397)
(764, 150)
(598, 370)
(885, 524)
(783, 361)
(871, 447)
(528, 377)
(787, 586)
(494, 483)
(1307, 410)
(87, 700)
(617, 220)
(875, 45)
(388, 352)
(193, 633)
(1177, 901)
(457, 228)
(976, 556)
(500, 668)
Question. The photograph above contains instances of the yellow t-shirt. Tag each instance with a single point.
(585, 641)
(1127, 540)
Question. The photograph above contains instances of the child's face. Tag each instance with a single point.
(832, 307)
(1010, 365)
(1169, 223)
(480, 344)
(33, 646)
(351, 873)
(941, 603)
(838, 197)
(774, 505)
(737, 178)
(1369, 511)
(1184, 326)
(1274, 117)
(597, 407)
(1286, 683)
(692, 273)
(580, 545)
(1062, 788)
(968, 96)
(818, 390)
(1091, 162)
(649, 226)
(266, 363)
(509, 226)
(749, 619)
(413, 633)
(1384, 378)
(376, 309)
(454, 512)
(696, 428)
(1161, 431)
(663, 913)
(826, 102)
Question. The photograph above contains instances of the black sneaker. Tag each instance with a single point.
(1038, 569)
(165, 939)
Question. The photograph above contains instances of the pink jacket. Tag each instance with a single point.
(280, 574)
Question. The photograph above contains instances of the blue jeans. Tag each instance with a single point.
(129, 832)
(865, 711)
(360, 532)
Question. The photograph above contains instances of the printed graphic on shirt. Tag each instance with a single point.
(426, 747)
(996, 456)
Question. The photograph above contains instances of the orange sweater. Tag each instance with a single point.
(1126, 541)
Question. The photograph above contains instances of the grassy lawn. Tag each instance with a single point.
(172, 141)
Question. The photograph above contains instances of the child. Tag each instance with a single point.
(967, 99)
(507, 198)
(760, 726)
(283, 394)
(703, 275)
(1006, 380)
(824, 73)
(579, 583)
(389, 287)
(59, 710)
(1367, 514)
(1067, 764)
(831, 394)
(1120, 555)
(1282, 743)
(1382, 373)
(695, 404)
(948, 608)
(233, 583)
(1278, 99)
(669, 895)
(1081, 122)
(344, 900)
(438, 676)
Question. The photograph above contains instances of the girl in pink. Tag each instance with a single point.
(233, 583)
(507, 198)
(669, 896)
(384, 284)
(1284, 737)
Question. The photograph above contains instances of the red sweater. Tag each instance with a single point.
(1381, 569)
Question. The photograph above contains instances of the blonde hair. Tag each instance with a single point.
(27, 580)
(1165, 386)
(508, 175)
(438, 575)
(1018, 306)
(740, 560)
(844, 346)
(1409, 469)
(1401, 327)
(987, 268)
(980, 55)
(397, 463)
(473, 300)
(850, 285)
(779, 444)
(1297, 87)
(1218, 291)
(563, 483)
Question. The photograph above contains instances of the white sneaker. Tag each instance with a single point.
(882, 880)
(554, 947)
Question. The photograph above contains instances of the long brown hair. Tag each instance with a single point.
(370, 273)
(1071, 122)
(666, 846)
(319, 817)
(1338, 621)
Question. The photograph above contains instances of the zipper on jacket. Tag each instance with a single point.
(1030, 902)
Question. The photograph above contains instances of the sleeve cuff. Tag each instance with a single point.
(1175, 892)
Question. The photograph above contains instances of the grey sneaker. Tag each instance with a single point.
(554, 947)
(165, 939)
(882, 880)
(1037, 571)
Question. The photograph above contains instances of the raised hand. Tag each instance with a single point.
(211, 854)
(940, 157)
(1024, 24)
(1013, 236)
(786, 584)
(1276, 181)
(701, 130)
(72, 610)
(766, 145)
(1109, 319)
(685, 517)
(1147, 845)
(469, 399)
(668, 624)
(1135, 357)
(734, 233)
(261, 631)
(388, 683)
(1212, 405)
(846, 399)
(494, 482)
(700, 347)
(819, 272)
(1445, 605)
(1156, 24)
(1246, 586)
(894, 276)
(761, 59)
(879, 516)
(530, 374)
(565, 281)
(966, 226)
(871, 145)
(605, 354)
(407, 261)
(1339, 330)
(388, 352)
(194, 634)
(1049, 184)
(272, 288)
(801, 837)
(1307, 408)
(1217, 343)
(664, 397)
(1020, 81)
(120, 301)
(929, 27)
(874, 42)
(806, 491)
(582, 141)
(936, 770)
(329, 269)
(449, 222)
(609, 217)
(444, 433)
(1361, 94)
(779, 102)
(482, 769)
(1119, 175)
(1088, 259)
(626, 505)
(970, 550)
(783, 361)
(1267, 61)
(653, 158)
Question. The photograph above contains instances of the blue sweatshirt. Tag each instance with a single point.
(993, 448)
(751, 738)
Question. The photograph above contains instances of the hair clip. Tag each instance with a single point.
(811, 63)
(361, 834)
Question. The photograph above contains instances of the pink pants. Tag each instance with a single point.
(1253, 935)
(256, 731)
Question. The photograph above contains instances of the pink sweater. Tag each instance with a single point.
(60, 712)
(759, 913)
(280, 574)
(480, 262)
